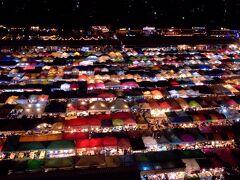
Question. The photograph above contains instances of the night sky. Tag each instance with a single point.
(119, 13)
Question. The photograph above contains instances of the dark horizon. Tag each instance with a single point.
(122, 13)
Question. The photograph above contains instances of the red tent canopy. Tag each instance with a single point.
(77, 122)
(154, 105)
(45, 54)
(94, 121)
(74, 86)
(91, 86)
(220, 117)
(76, 135)
(231, 135)
(236, 56)
(103, 116)
(82, 143)
(123, 142)
(122, 115)
(226, 155)
(81, 135)
(82, 108)
(201, 117)
(110, 141)
(72, 107)
(164, 105)
(83, 77)
(174, 83)
(106, 95)
(129, 121)
(96, 142)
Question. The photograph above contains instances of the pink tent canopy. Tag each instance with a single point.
(231, 102)
(100, 85)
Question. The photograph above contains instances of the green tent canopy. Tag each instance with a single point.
(194, 104)
(59, 162)
(141, 157)
(18, 166)
(189, 154)
(163, 156)
(58, 145)
(31, 146)
(35, 164)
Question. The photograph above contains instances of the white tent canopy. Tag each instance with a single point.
(149, 141)
(191, 165)
(119, 104)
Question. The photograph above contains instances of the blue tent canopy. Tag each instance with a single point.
(203, 66)
(107, 123)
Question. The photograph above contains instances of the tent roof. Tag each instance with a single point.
(40, 138)
(191, 154)
(124, 142)
(56, 107)
(109, 141)
(129, 121)
(98, 105)
(94, 121)
(176, 164)
(19, 165)
(122, 115)
(149, 141)
(30, 146)
(91, 161)
(163, 156)
(119, 104)
(11, 144)
(118, 122)
(137, 144)
(58, 126)
(96, 142)
(82, 143)
(76, 135)
(106, 95)
(162, 140)
(59, 162)
(77, 122)
(58, 145)
(34, 164)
